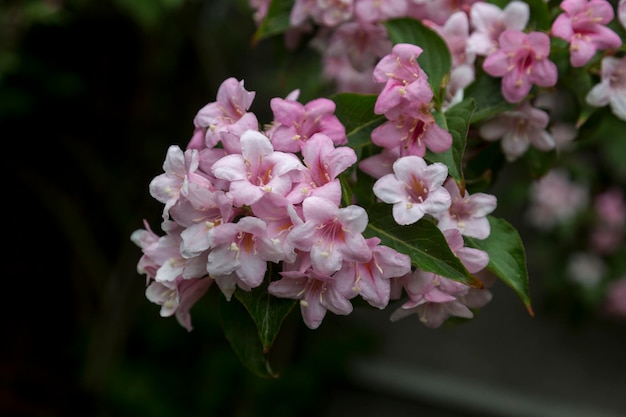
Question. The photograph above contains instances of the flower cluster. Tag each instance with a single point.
(238, 198)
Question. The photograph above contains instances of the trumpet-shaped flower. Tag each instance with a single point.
(227, 114)
(414, 189)
(583, 25)
(331, 234)
(295, 123)
(612, 88)
(318, 292)
(489, 21)
(257, 171)
(405, 81)
(522, 61)
(518, 129)
(467, 213)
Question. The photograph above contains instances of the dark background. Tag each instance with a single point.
(91, 95)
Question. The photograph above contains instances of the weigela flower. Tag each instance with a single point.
(411, 132)
(621, 13)
(257, 171)
(518, 129)
(177, 297)
(318, 292)
(372, 279)
(489, 21)
(612, 88)
(327, 13)
(379, 11)
(331, 234)
(583, 25)
(415, 189)
(405, 81)
(227, 114)
(522, 61)
(467, 213)
(295, 123)
(555, 199)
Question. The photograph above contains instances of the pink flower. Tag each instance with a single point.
(518, 129)
(412, 132)
(327, 13)
(318, 292)
(331, 234)
(361, 42)
(467, 213)
(324, 163)
(555, 199)
(621, 12)
(583, 25)
(405, 81)
(434, 298)
(378, 11)
(615, 300)
(295, 123)
(522, 61)
(257, 171)
(489, 21)
(612, 89)
(372, 279)
(239, 254)
(414, 189)
(609, 227)
(177, 297)
(227, 114)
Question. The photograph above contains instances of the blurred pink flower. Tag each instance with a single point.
(612, 88)
(522, 61)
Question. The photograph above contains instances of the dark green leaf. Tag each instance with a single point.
(242, 334)
(276, 20)
(487, 93)
(356, 112)
(539, 162)
(540, 19)
(423, 242)
(507, 257)
(435, 60)
(457, 120)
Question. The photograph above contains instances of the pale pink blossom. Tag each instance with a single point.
(437, 11)
(474, 260)
(227, 114)
(467, 213)
(415, 189)
(240, 251)
(166, 187)
(331, 234)
(518, 129)
(610, 220)
(406, 84)
(380, 164)
(257, 171)
(378, 11)
(372, 279)
(612, 88)
(555, 199)
(178, 297)
(295, 123)
(324, 12)
(339, 70)
(324, 162)
(412, 132)
(489, 21)
(318, 292)
(522, 61)
(621, 13)
(434, 298)
(583, 25)
(362, 43)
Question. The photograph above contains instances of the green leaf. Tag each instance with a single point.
(507, 257)
(487, 93)
(356, 112)
(435, 60)
(539, 162)
(540, 19)
(276, 20)
(423, 242)
(241, 333)
(457, 120)
(262, 317)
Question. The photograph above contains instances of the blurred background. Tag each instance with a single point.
(96, 91)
